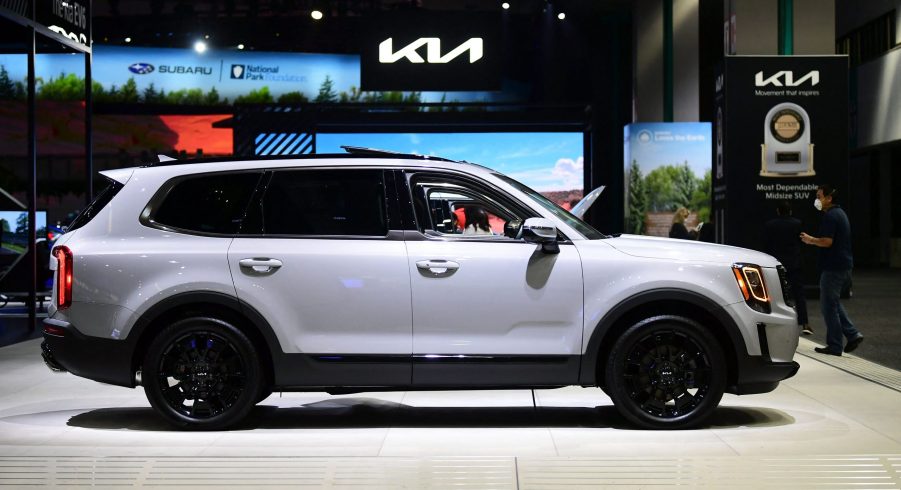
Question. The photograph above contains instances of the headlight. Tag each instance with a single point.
(752, 286)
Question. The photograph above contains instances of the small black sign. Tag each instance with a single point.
(430, 51)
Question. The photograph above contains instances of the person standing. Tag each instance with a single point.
(782, 242)
(678, 230)
(835, 263)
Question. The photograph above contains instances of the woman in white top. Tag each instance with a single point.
(476, 221)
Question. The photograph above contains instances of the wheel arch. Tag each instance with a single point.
(206, 303)
(654, 303)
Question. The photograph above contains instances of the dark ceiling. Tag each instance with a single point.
(286, 25)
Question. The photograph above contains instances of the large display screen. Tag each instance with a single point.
(550, 163)
(14, 226)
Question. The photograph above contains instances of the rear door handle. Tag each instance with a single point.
(261, 265)
(438, 267)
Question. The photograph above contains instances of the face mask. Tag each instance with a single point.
(818, 204)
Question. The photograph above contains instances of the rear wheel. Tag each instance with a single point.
(666, 372)
(202, 373)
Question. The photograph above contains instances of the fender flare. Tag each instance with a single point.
(255, 319)
(588, 370)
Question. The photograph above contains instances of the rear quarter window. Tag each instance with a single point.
(205, 204)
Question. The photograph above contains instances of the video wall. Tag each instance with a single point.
(550, 163)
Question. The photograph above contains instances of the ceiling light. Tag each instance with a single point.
(505, 5)
(206, 36)
(200, 46)
(128, 39)
(561, 16)
(240, 46)
(316, 15)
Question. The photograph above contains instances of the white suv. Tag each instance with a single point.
(215, 283)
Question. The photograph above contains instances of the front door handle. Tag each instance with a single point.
(438, 267)
(261, 265)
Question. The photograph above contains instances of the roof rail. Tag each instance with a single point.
(363, 151)
(353, 152)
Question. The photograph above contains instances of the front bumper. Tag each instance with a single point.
(762, 374)
(103, 360)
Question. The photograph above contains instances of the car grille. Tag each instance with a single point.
(786, 287)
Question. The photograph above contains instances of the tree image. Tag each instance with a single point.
(7, 87)
(22, 223)
(129, 92)
(151, 96)
(327, 92)
(66, 87)
(684, 185)
(258, 96)
(661, 187)
(638, 200)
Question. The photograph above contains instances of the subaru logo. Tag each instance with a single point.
(237, 71)
(141, 68)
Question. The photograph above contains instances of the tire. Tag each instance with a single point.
(666, 372)
(202, 373)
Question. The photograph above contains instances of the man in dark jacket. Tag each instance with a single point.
(836, 262)
(782, 236)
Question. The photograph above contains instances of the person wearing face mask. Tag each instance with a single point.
(836, 262)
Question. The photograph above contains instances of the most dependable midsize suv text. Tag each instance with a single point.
(215, 283)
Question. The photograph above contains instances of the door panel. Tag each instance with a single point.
(508, 314)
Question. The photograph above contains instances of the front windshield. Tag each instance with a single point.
(582, 227)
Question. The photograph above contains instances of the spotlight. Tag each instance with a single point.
(316, 15)
(206, 36)
(200, 47)
(128, 39)
(240, 46)
(561, 16)
(505, 5)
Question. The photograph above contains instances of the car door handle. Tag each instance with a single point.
(260, 264)
(438, 267)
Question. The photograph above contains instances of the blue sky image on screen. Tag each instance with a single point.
(546, 162)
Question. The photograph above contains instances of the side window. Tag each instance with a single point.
(209, 203)
(321, 202)
(446, 206)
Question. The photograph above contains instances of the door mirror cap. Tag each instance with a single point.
(543, 232)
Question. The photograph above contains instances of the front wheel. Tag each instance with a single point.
(666, 372)
(202, 373)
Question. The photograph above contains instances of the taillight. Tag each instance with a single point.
(64, 270)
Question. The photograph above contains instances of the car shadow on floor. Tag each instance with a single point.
(354, 413)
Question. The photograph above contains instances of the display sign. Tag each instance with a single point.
(70, 19)
(781, 130)
(426, 51)
(667, 167)
(231, 73)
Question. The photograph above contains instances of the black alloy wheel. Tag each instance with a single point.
(202, 373)
(666, 372)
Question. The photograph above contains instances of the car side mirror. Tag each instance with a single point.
(543, 232)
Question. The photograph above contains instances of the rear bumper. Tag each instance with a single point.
(103, 360)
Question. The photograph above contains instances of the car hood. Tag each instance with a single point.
(688, 250)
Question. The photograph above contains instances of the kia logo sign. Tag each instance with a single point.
(141, 68)
(433, 51)
(786, 78)
(429, 51)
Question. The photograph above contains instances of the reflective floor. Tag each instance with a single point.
(834, 425)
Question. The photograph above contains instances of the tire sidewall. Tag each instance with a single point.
(616, 383)
(253, 372)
